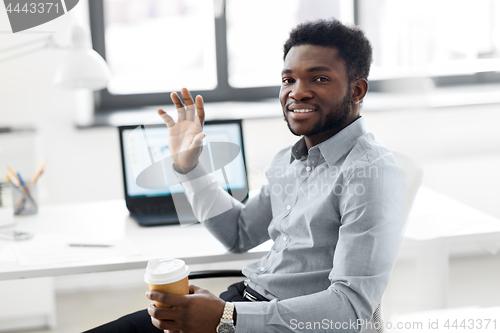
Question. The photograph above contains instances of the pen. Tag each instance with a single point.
(21, 201)
(17, 188)
(38, 173)
(90, 245)
(21, 179)
(22, 184)
(13, 173)
(14, 184)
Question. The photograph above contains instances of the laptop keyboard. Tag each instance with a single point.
(153, 210)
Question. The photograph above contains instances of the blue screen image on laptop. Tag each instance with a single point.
(137, 156)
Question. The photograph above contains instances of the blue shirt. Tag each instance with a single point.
(335, 214)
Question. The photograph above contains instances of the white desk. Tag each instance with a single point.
(108, 222)
(436, 225)
(105, 222)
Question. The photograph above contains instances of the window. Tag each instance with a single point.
(156, 46)
(222, 49)
(255, 37)
(230, 50)
(431, 37)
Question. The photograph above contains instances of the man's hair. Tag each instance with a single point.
(350, 41)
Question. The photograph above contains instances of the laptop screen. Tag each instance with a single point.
(142, 146)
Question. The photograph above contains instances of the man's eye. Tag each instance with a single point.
(321, 79)
(286, 80)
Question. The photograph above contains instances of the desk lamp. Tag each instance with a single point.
(83, 68)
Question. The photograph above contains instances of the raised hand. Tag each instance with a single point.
(186, 136)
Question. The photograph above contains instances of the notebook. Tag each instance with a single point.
(152, 194)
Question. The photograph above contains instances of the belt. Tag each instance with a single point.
(253, 296)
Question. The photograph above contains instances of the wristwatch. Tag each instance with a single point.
(226, 322)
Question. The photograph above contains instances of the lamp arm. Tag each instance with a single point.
(18, 46)
(48, 42)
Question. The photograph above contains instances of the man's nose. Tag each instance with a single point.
(300, 91)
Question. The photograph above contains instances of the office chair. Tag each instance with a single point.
(413, 174)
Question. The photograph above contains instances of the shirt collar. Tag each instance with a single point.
(335, 147)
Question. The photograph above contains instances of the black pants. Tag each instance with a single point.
(140, 321)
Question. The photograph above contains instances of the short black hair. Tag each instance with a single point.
(350, 41)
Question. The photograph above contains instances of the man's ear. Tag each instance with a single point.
(359, 89)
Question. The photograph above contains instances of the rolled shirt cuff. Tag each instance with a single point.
(196, 179)
(251, 316)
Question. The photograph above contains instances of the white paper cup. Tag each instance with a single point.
(169, 276)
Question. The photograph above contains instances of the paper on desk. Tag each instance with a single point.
(7, 253)
(51, 249)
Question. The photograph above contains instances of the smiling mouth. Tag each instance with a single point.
(302, 110)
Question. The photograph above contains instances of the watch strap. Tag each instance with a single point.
(227, 315)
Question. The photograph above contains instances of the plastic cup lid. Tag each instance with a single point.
(163, 271)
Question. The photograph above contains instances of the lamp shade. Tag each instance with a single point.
(82, 68)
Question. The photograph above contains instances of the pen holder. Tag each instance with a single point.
(25, 200)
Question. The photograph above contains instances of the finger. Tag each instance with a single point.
(176, 100)
(188, 100)
(194, 289)
(165, 324)
(163, 313)
(174, 300)
(181, 110)
(200, 109)
(197, 141)
(190, 111)
(166, 118)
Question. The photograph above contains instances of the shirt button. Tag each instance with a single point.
(288, 207)
(285, 238)
(308, 168)
(262, 269)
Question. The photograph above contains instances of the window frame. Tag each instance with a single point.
(106, 102)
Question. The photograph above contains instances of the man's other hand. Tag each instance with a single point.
(198, 312)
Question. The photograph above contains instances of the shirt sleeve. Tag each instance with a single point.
(239, 226)
(372, 223)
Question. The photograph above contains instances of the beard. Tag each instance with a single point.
(336, 119)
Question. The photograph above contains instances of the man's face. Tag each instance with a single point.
(315, 94)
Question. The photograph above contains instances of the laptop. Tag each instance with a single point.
(161, 200)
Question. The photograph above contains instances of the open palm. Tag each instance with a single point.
(186, 136)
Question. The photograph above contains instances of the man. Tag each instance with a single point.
(333, 205)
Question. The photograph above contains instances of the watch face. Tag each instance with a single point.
(225, 328)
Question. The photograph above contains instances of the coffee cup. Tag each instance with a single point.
(169, 276)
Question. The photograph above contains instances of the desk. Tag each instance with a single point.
(437, 224)
(439, 227)
(105, 221)
(109, 221)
